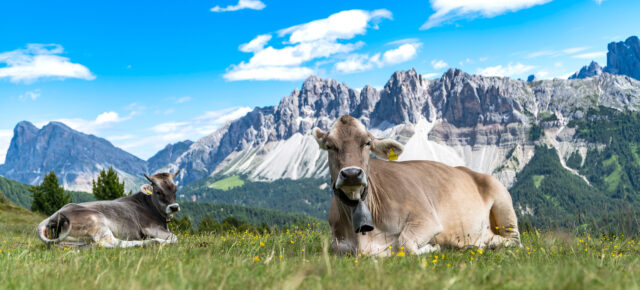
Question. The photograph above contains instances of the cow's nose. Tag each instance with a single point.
(351, 173)
(174, 208)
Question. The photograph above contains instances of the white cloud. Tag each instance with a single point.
(439, 64)
(448, 10)
(360, 62)
(542, 53)
(430, 76)
(242, 4)
(401, 54)
(304, 43)
(5, 141)
(591, 55)
(102, 121)
(256, 44)
(508, 71)
(32, 95)
(40, 61)
(573, 50)
(193, 129)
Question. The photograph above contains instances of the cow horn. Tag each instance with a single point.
(149, 178)
(175, 174)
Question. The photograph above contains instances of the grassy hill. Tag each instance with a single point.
(15, 220)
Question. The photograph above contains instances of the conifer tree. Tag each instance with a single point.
(49, 196)
(108, 185)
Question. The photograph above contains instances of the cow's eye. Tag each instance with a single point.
(368, 143)
(330, 147)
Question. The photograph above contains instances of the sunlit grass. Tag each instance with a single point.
(301, 258)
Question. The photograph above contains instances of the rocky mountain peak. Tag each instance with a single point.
(593, 69)
(74, 156)
(624, 58)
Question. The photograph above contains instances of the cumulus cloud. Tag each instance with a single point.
(447, 10)
(242, 4)
(304, 43)
(505, 71)
(257, 44)
(439, 64)
(362, 62)
(30, 95)
(40, 61)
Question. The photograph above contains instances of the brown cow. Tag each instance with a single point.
(418, 205)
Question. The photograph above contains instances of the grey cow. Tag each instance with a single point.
(130, 221)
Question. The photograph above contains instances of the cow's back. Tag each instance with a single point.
(452, 194)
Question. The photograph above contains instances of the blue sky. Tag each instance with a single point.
(146, 73)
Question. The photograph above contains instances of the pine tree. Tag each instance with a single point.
(49, 196)
(108, 185)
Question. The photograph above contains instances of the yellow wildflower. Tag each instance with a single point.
(261, 244)
(400, 254)
(256, 259)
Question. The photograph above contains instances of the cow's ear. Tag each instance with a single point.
(320, 137)
(386, 148)
(146, 189)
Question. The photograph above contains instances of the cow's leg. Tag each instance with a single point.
(504, 222)
(161, 235)
(418, 233)
(105, 238)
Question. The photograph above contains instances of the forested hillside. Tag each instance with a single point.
(305, 196)
(546, 195)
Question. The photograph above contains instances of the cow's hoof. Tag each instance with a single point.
(428, 249)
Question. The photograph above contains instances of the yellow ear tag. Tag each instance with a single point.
(149, 192)
(392, 155)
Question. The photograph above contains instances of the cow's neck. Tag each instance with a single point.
(155, 212)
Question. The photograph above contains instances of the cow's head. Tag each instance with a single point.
(349, 144)
(163, 193)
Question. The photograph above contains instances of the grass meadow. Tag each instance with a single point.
(301, 258)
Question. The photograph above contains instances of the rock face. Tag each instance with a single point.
(624, 58)
(75, 157)
(168, 155)
(460, 119)
(593, 69)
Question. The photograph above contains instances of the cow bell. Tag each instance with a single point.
(361, 218)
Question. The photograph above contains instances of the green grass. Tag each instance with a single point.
(228, 183)
(301, 259)
(613, 179)
(634, 151)
(537, 180)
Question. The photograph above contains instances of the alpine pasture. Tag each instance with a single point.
(301, 258)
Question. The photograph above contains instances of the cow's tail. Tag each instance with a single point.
(54, 228)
